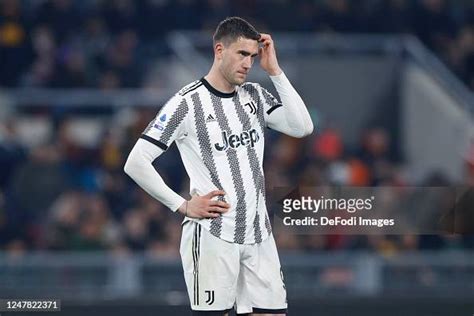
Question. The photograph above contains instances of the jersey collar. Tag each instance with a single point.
(217, 92)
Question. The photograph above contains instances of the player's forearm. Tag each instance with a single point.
(296, 114)
(139, 167)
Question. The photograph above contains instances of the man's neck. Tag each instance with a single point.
(218, 82)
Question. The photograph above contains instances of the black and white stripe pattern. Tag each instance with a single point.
(238, 182)
(257, 172)
(206, 154)
(196, 249)
(191, 87)
(257, 232)
(268, 225)
(252, 91)
(176, 118)
(271, 101)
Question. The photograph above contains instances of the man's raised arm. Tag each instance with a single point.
(291, 115)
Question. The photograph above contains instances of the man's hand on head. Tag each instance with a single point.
(204, 206)
(268, 59)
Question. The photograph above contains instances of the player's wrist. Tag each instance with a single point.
(183, 209)
(275, 71)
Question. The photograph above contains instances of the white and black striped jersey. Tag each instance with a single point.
(220, 137)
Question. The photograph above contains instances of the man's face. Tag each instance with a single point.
(236, 59)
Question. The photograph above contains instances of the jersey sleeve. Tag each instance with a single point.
(139, 166)
(270, 106)
(169, 124)
(288, 115)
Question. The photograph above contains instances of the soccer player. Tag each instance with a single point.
(218, 123)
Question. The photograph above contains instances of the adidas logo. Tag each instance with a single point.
(210, 118)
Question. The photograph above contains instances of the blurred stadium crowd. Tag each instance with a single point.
(107, 44)
(73, 195)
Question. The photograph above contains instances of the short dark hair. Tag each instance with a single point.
(230, 29)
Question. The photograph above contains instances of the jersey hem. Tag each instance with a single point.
(231, 240)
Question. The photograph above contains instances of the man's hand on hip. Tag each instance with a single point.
(204, 206)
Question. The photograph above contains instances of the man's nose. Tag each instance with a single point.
(247, 63)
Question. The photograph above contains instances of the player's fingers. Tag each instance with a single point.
(266, 39)
(214, 193)
(267, 44)
(263, 40)
(216, 209)
(220, 204)
(264, 36)
(212, 215)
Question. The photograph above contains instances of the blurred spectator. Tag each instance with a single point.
(338, 17)
(328, 145)
(43, 69)
(12, 153)
(71, 70)
(96, 38)
(39, 181)
(61, 16)
(393, 16)
(14, 47)
(120, 60)
(63, 221)
(120, 15)
(434, 24)
(136, 232)
(374, 152)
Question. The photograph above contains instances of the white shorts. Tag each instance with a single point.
(220, 275)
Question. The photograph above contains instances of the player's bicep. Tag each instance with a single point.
(169, 124)
(276, 120)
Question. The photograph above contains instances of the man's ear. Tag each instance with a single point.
(218, 49)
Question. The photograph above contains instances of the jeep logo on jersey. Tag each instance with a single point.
(246, 138)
